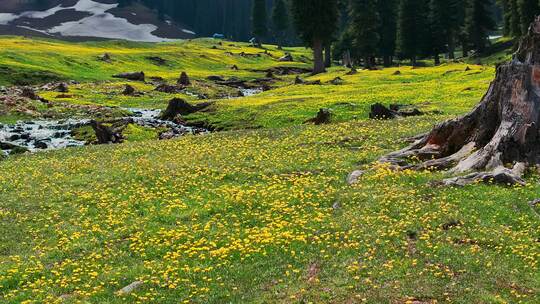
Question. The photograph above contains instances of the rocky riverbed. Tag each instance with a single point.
(42, 135)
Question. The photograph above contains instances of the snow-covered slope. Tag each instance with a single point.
(82, 19)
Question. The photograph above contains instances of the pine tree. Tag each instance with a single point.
(505, 6)
(410, 29)
(478, 23)
(365, 25)
(280, 19)
(515, 18)
(316, 22)
(259, 19)
(440, 23)
(455, 29)
(528, 9)
(387, 30)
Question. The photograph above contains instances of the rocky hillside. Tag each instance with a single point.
(87, 19)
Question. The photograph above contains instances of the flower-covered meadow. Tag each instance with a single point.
(260, 216)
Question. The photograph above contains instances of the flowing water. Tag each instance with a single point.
(41, 135)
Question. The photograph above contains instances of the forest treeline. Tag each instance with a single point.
(364, 32)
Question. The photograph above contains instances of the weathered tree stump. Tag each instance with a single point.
(500, 138)
(379, 111)
(178, 106)
(104, 134)
(29, 93)
(184, 79)
(324, 116)
(128, 90)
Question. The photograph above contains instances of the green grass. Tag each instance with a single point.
(260, 216)
(80, 61)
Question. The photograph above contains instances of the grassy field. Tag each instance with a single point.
(263, 216)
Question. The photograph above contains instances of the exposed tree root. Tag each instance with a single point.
(499, 139)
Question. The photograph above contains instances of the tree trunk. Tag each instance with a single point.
(504, 129)
(451, 47)
(367, 63)
(465, 49)
(327, 55)
(347, 61)
(318, 60)
(413, 61)
(437, 59)
(387, 61)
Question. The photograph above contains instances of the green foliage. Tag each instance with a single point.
(440, 25)
(280, 16)
(411, 29)
(365, 24)
(259, 18)
(387, 10)
(135, 133)
(478, 23)
(528, 10)
(316, 22)
(85, 134)
(315, 19)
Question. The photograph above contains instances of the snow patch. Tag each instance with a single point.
(6, 18)
(100, 24)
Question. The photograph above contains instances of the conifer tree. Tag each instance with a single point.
(280, 19)
(411, 29)
(478, 23)
(316, 22)
(387, 10)
(365, 25)
(515, 18)
(528, 9)
(259, 19)
(440, 23)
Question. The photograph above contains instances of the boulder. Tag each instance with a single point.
(184, 79)
(105, 57)
(41, 145)
(354, 177)
(136, 76)
(130, 288)
(62, 87)
(286, 58)
(29, 93)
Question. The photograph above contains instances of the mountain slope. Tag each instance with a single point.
(84, 19)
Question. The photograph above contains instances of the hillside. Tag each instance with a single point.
(263, 215)
(87, 19)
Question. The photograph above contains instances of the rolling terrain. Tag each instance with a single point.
(259, 211)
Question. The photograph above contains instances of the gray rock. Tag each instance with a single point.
(130, 288)
(354, 177)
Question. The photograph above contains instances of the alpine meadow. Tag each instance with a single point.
(269, 151)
